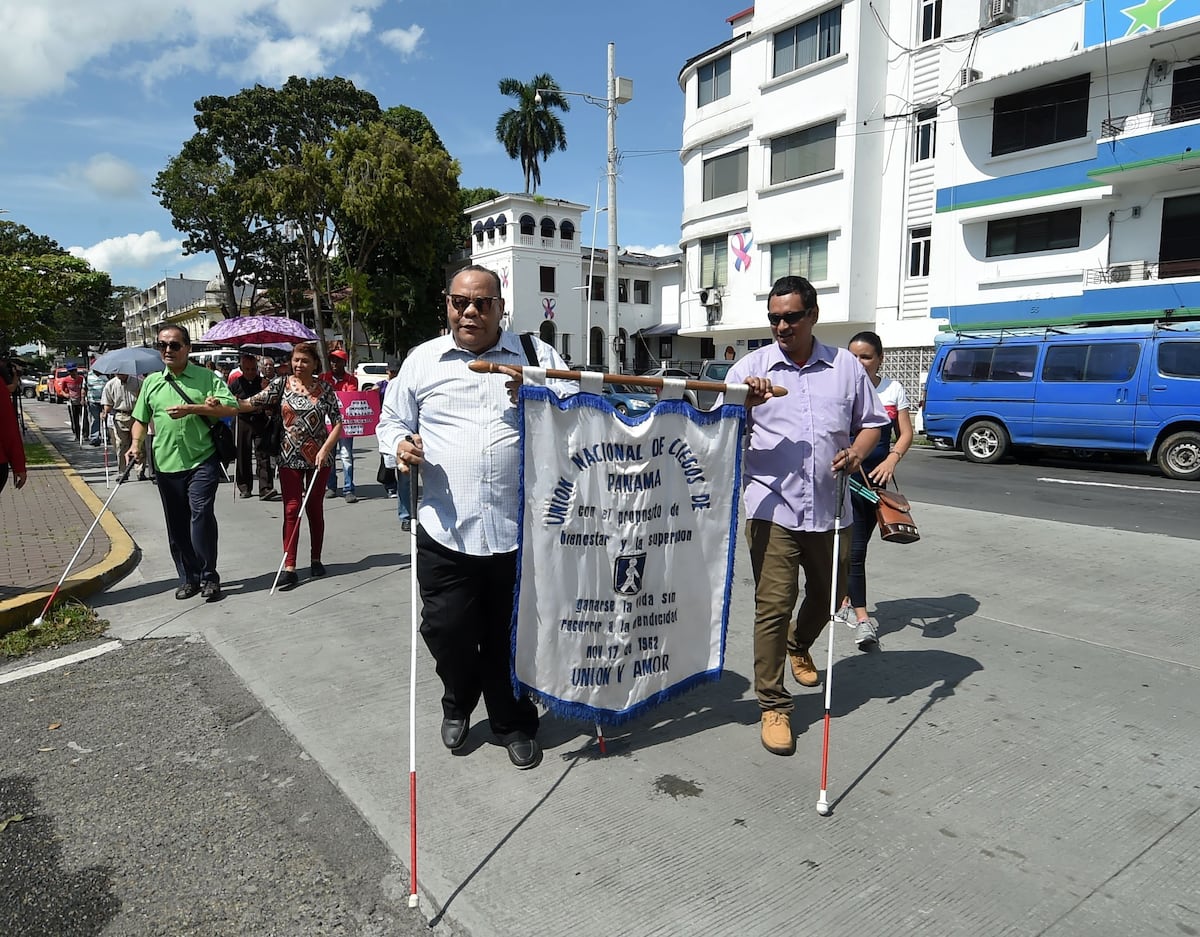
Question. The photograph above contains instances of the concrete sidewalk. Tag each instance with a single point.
(1005, 765)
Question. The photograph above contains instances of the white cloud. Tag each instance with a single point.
(106, 175)
(658, 250)
(44, 46)
(403, 41)
(139, 251)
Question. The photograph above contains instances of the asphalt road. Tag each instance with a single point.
(159, 797)
(1100, 493)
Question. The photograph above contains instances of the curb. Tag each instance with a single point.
(123, 555)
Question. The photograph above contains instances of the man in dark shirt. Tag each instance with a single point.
(252, 435)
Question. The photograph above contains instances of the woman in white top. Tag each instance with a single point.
(879, 466)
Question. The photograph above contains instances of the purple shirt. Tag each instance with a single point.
(793, 439)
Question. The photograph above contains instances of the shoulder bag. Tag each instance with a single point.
(222, 435)
(893, 514)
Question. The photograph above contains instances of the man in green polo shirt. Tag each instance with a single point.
(185, 458)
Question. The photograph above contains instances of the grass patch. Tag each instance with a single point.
(68, 621)
(37, 454)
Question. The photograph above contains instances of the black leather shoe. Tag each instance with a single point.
(524, 752)
(288, 579)
(317, 568)
(211, 592)
(187, 591)
(455, 732)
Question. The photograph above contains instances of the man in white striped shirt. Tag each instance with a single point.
(461, 428)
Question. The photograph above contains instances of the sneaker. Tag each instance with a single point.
(391, 492)
(351, 497)
(269, 495)
(804, 670)
(330, 493)
(844, 614)
(244, 492)
(406, 525)
(777, 735)
(865, 635)
(211, 591)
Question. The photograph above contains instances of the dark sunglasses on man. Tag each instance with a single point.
(791, 318)
(483, 304)
(169, 346)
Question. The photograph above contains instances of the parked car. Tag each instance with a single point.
(370, 373)
(29, 385)
(688, 395)
(711, 371)
(53, 394)
(42, 384)
(628, 399)
(1117, 388)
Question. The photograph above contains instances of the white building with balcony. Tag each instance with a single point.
(936, 164)
(555, 288)
(156, 304)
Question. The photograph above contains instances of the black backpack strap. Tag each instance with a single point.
(530, 350)
(186, 399)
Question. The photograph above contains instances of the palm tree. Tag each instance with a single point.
(530, 131)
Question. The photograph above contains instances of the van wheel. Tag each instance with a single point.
(1179, 456)
(985, 442)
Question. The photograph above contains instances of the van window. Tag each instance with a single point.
(990, 363)
(1179, 359)
(1106, 362)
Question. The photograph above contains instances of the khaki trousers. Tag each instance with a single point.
(778, 556)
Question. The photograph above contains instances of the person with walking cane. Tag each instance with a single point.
(183, 400)
(796, 447)
(306, 449)
(461, 430)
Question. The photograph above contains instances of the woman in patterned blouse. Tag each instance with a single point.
(308, 405)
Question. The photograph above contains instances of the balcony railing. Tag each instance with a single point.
(1177, 114)
(1136, 271)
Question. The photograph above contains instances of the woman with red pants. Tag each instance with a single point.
(307, 405)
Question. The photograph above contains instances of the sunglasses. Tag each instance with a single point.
(169, 346)
(791, 318)
(482, 303)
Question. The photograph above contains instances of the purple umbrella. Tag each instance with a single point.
(258, 330)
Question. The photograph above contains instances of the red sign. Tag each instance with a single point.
(360, 412)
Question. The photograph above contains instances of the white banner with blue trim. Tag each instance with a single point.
(628, 530)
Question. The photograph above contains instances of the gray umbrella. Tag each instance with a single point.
(132, 360)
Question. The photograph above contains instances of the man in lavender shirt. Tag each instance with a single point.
(830, 420)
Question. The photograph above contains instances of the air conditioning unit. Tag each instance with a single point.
(1000, 11)
(710, 296)
(968, 76)
(1119, 273)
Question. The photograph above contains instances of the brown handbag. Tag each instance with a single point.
(893, 514)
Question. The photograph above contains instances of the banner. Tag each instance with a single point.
(360, 412)
(626, 552)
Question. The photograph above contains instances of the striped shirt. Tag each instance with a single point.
(469, 430)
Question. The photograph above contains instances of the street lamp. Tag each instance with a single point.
(620, 91)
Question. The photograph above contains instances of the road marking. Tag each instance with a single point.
(45, 666)
(1068, 481)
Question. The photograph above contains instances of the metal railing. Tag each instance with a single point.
(1144, 120)
(1135, 271)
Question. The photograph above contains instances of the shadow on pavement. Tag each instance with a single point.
(937, 617)
(40, 896)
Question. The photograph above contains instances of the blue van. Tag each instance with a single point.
(1118, 388)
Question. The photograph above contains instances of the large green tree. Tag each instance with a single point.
(47, 295)
(531, 131)
(214, 187)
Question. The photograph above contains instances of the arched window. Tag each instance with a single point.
(490, 227)
(547, 227)
(547, 332)
(478, 229)
(596, 354)
(502, 225)
(567, 231)
(527, 224)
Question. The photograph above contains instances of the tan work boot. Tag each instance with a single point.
(804, 670)
(777, 733)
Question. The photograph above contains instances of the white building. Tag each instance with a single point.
(555, 288)
(930, 163)
(197, 305)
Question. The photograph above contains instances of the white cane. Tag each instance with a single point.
(296, 532)
(414, 897)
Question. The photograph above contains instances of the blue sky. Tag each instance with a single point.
(97, 97)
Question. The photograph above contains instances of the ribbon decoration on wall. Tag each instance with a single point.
(548, 308)
(741, 242)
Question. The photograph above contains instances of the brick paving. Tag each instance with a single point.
(44, 522)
